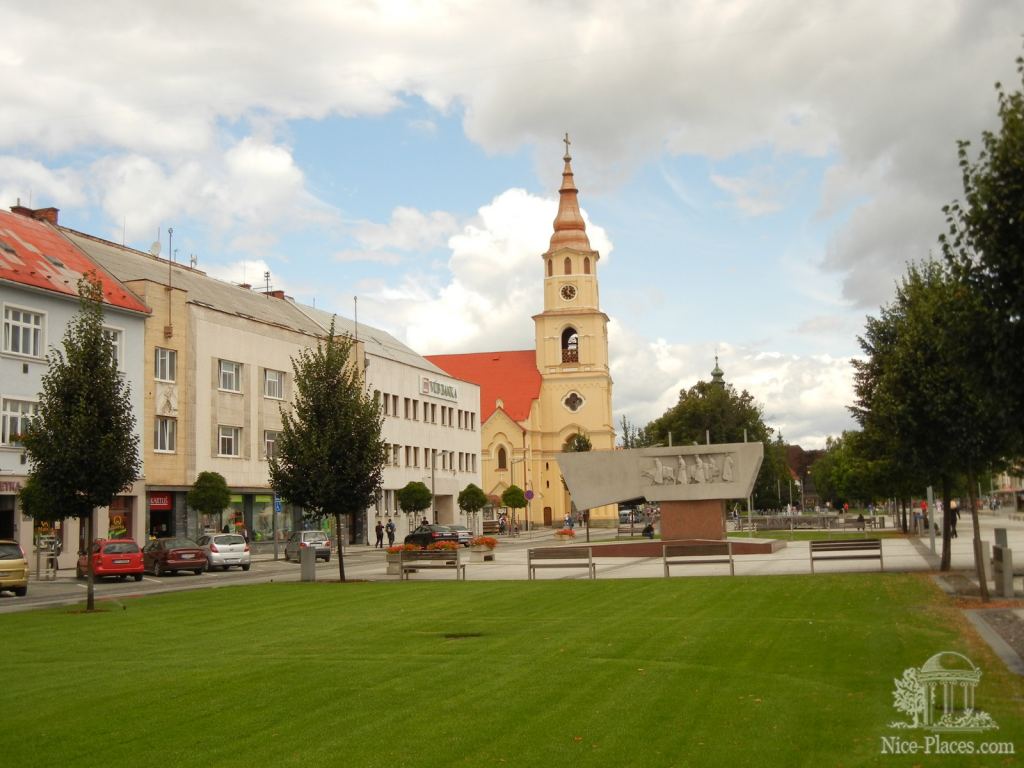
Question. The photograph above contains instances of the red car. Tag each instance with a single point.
(173, 555)
(112, 557)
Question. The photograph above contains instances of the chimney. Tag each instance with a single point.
(245, 285)
(48, 215)
(276, 294)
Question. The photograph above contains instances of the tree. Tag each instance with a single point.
(716, 411)
(513, 498)
(577, 443)
(415, 497)
(985, 245)
(209, 494)
(82, 444)
(472, 499)
(330, 455)
(921, 397)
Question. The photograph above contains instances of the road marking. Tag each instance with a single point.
(155, 581)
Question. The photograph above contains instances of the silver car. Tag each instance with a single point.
(224, 550)
(300, 540)
(465, 535)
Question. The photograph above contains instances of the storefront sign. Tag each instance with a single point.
(439, 389)
(10, 485)
(161, 501)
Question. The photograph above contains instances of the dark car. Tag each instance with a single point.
(303, 539)
(173, 555)
(112, 557)
(430, 534)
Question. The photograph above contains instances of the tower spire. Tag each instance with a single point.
(570, 231)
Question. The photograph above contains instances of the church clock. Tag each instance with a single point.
(568, 292)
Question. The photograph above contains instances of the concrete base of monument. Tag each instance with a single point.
(652, 548)
(693, 519)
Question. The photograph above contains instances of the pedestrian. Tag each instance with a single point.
(954, 515)
(424, 521)
(379, 530)
(390, 528)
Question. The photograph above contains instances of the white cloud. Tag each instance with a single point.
(31, 182)
(408, 230)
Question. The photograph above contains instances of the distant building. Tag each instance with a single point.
(39, 273)
(533, 401)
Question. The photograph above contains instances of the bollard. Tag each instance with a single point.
(1002, 565)
(307, 563)
(1001, 538)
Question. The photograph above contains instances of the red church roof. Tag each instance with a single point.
(511, 377)
(36, 253)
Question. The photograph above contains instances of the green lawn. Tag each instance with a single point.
(809, 535)
(776, 671)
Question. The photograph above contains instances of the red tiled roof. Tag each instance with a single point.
(510, 376)
(35, 253)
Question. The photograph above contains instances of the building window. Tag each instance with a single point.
(229, 441)
(502, 458)
(550, 268)
(396, 455)
(116, 337)
(165, 364)
(270, 443)
(230, 376)
(165, 435)
(15, 417)
(570, 346)
(23, 332)
(273, 384)
(586, 265)
(573, 402)
(568, 265)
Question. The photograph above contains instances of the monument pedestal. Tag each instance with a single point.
(703, 519)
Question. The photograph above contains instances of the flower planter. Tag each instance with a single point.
(481, 554)
(563, 537)
(394, 563)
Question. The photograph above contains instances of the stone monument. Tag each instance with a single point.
(691, 483)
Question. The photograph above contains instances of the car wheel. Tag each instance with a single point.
(78, 572)
(122, 577)
(198, 572)
(20, 591)
(138, 577)
(158, 570)
(245, 567)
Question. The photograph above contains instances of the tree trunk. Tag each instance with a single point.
(979, 565)
(341, 548)
(947, 528)
(90, 592)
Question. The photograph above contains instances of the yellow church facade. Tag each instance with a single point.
(533, 401)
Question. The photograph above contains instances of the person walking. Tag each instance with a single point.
(379, 530)
(954, 515)
(390, 529)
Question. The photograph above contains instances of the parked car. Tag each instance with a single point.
(465, 535)
(111, 557)
(429, 534)
(224, 550)
(303, 539)
(13, 568)
(172, 555)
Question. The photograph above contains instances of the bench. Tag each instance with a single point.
(851, 549)
(560, 557)
(490, 527)
(630, 529)
(698, 554)
(425, 559)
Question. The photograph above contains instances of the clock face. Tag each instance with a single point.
(568, 292)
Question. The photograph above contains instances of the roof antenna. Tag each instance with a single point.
(266, 281)
(355, 310)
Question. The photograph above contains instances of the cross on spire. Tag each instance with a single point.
(567, 143)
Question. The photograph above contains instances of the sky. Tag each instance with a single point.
(756, 174)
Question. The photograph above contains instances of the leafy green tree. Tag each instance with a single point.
(472, 499)
(82, 444)
(415, 497)
(920, 395)
(715, 410)
(513, 498)
(985, 245)
(209, 494)
(577, 443)
(330, 455)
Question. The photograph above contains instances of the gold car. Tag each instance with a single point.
(13, 568)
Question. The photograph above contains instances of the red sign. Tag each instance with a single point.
(161, 501)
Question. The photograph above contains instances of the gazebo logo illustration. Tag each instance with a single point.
(939, 696)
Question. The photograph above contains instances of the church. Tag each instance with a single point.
(533, 401)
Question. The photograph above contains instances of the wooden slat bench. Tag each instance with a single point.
(560, 557)
(851, 549)
(425, 559)
(698, 554)
(630, 529)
